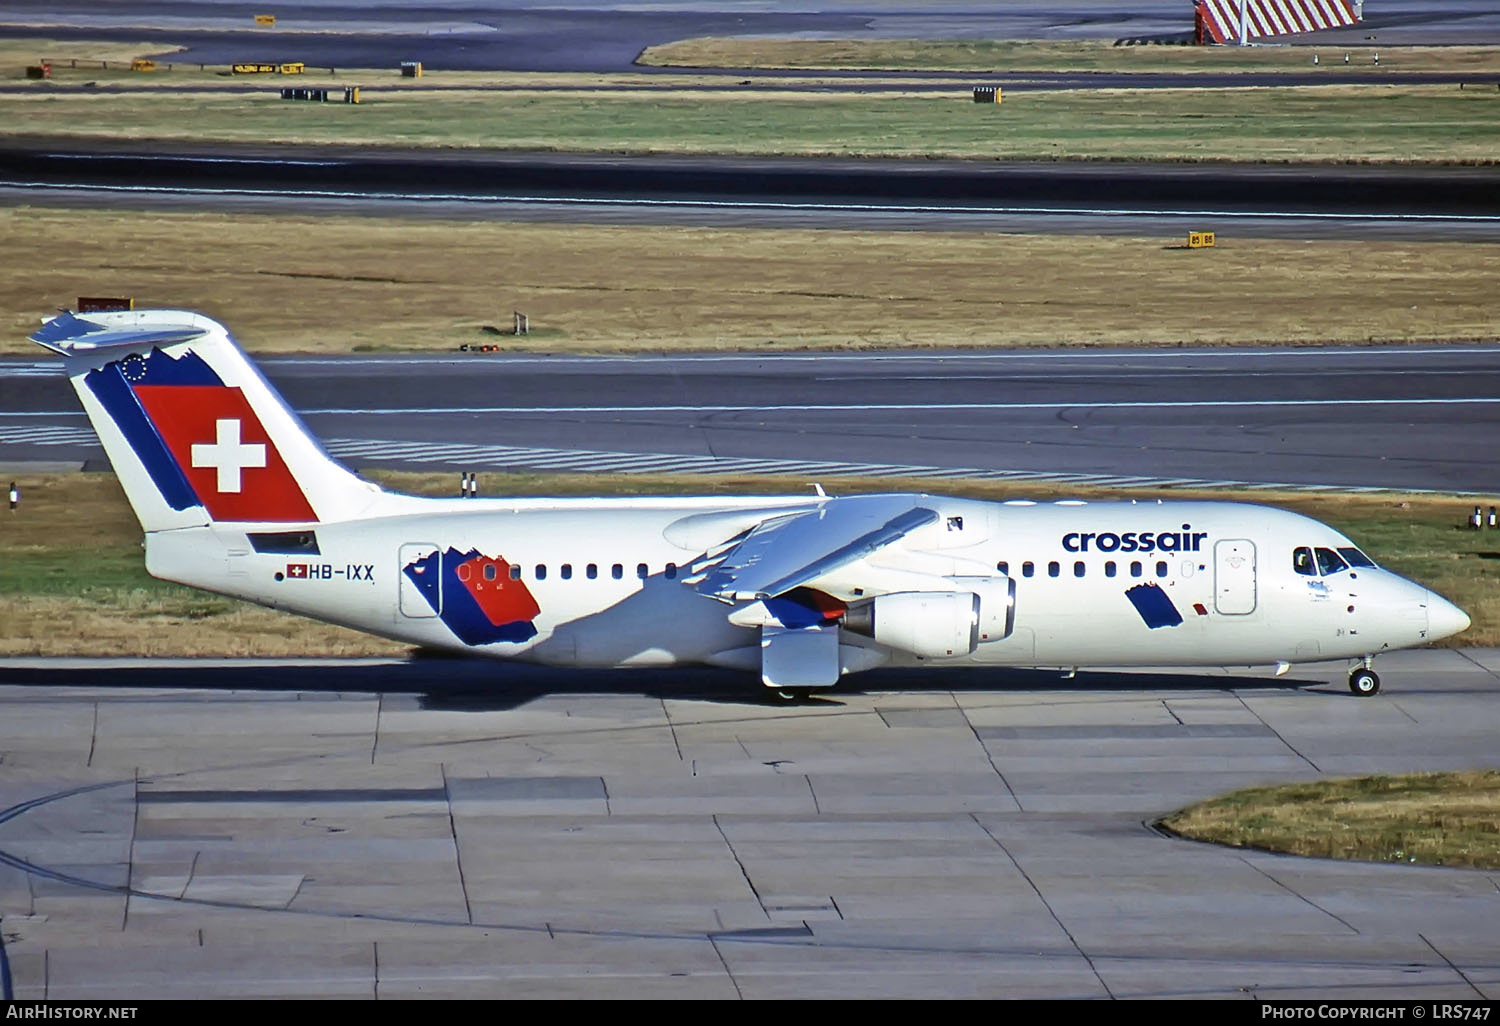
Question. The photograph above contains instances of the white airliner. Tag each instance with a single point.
(236, 497)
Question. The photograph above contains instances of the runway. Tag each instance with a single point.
(460, 829)
(1439, 203)
(523, 35)
(1372, 417)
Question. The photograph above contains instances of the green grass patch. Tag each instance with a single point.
(1438, 819)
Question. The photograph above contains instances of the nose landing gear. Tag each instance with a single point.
(1364, 681)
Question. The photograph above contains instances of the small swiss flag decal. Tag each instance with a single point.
(225, 453)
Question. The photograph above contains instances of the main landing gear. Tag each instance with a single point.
(1364, 681)
(790, 695)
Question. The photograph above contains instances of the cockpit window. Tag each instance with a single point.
(1302, 562)
(1330, 562)
(1356, 557)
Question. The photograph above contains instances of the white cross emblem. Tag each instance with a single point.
(228, 456)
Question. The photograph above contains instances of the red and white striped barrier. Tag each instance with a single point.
(1219, 20)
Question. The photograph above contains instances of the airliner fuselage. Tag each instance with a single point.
(598, 582)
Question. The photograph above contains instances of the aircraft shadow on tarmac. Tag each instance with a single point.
(482, 685)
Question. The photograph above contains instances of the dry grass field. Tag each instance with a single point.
(72, 580)
(1435, 819)
(329, 283)
(1020, 56)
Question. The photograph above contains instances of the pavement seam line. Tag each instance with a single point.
(1301, 897)
(667, 715)
(988, 755)
(1290, 747)
(1045, 904)
(727, 971)
(743, 871)
(1456, 969)
(375, 741)
(458, 857)
(1465, 654)
(135, 824)
(192, 872)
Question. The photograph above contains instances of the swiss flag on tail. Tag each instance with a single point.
(225, 453)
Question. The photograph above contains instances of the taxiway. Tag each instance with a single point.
(464, 829)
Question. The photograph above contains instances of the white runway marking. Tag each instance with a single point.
(47, 434)
(504, 457)
(1114, 356)
(857, 407)
(759, 205)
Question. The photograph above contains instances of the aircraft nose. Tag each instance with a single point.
(1444, 619)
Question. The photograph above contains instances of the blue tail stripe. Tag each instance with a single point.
(110, 388)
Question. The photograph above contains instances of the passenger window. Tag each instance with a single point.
(617, 571)
(1329, 562)
(1028, 569)
(1356, 557)
(1003, 567)
(515, 572)
(1302, 562)
(1161, 568)
(591, 571)
(641, 571)
(489, 571)
(1135, 568)
(1053, 569)
(541, 571)
(1109, 568)
(670, 572)
(1078, 569)
(566, 571)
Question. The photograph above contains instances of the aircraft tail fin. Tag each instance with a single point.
(195, 433)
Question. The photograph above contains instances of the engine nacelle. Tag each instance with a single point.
(997, 605)
(925, 623)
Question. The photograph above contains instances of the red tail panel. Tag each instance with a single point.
(225, 453)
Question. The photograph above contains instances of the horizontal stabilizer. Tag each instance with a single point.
(70, 334)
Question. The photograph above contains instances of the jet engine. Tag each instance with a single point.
(938, 623)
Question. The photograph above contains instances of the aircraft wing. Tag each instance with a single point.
(789, 551)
